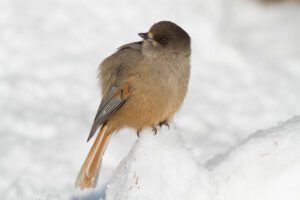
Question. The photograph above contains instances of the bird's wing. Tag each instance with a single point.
(115, 72)
(115, 98)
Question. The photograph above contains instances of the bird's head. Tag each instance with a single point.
(166, 37)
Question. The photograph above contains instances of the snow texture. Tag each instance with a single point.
(263, 167)
(159, 167)
(245, 77)
(266, 166)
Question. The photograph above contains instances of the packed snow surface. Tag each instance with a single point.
(159, 167)
(245, 77)
(265, 166)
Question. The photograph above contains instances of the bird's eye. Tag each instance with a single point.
(163, 40)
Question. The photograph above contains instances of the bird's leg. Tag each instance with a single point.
(154, 129)
(138, 132)
(165, 122)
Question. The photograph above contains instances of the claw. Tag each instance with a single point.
(154, 129)
(165, 122)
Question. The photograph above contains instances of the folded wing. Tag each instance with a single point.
(109, 105)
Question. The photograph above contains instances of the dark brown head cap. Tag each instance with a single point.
(169, 35)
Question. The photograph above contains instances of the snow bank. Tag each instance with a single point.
(265, 166)
(159, 167)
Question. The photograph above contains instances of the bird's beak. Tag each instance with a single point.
(149, 38)
(143, 35)
(146, 36)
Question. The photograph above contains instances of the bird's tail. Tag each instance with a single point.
(88, 175)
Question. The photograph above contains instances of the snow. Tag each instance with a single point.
(245, 77)
(265, 166)
(159, 167)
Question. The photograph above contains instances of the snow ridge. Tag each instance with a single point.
(264, 166)
(159, 167)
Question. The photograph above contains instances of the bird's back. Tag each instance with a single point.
(115, 69)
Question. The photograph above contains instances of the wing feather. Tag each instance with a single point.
(114, 70)
(109, 105)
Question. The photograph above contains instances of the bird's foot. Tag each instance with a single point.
(164, 123)
(154, 129)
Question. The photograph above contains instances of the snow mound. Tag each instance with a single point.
(159, 167)
(265, 166)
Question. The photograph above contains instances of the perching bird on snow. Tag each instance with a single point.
(143, 85)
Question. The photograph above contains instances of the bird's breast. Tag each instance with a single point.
(164, 86)
(158, 92)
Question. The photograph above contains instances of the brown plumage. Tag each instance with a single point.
(143, 85)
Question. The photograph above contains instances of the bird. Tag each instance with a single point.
(143, 85)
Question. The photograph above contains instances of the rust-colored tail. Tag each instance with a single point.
(88, 175)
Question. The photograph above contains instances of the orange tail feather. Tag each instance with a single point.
(88, 174)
